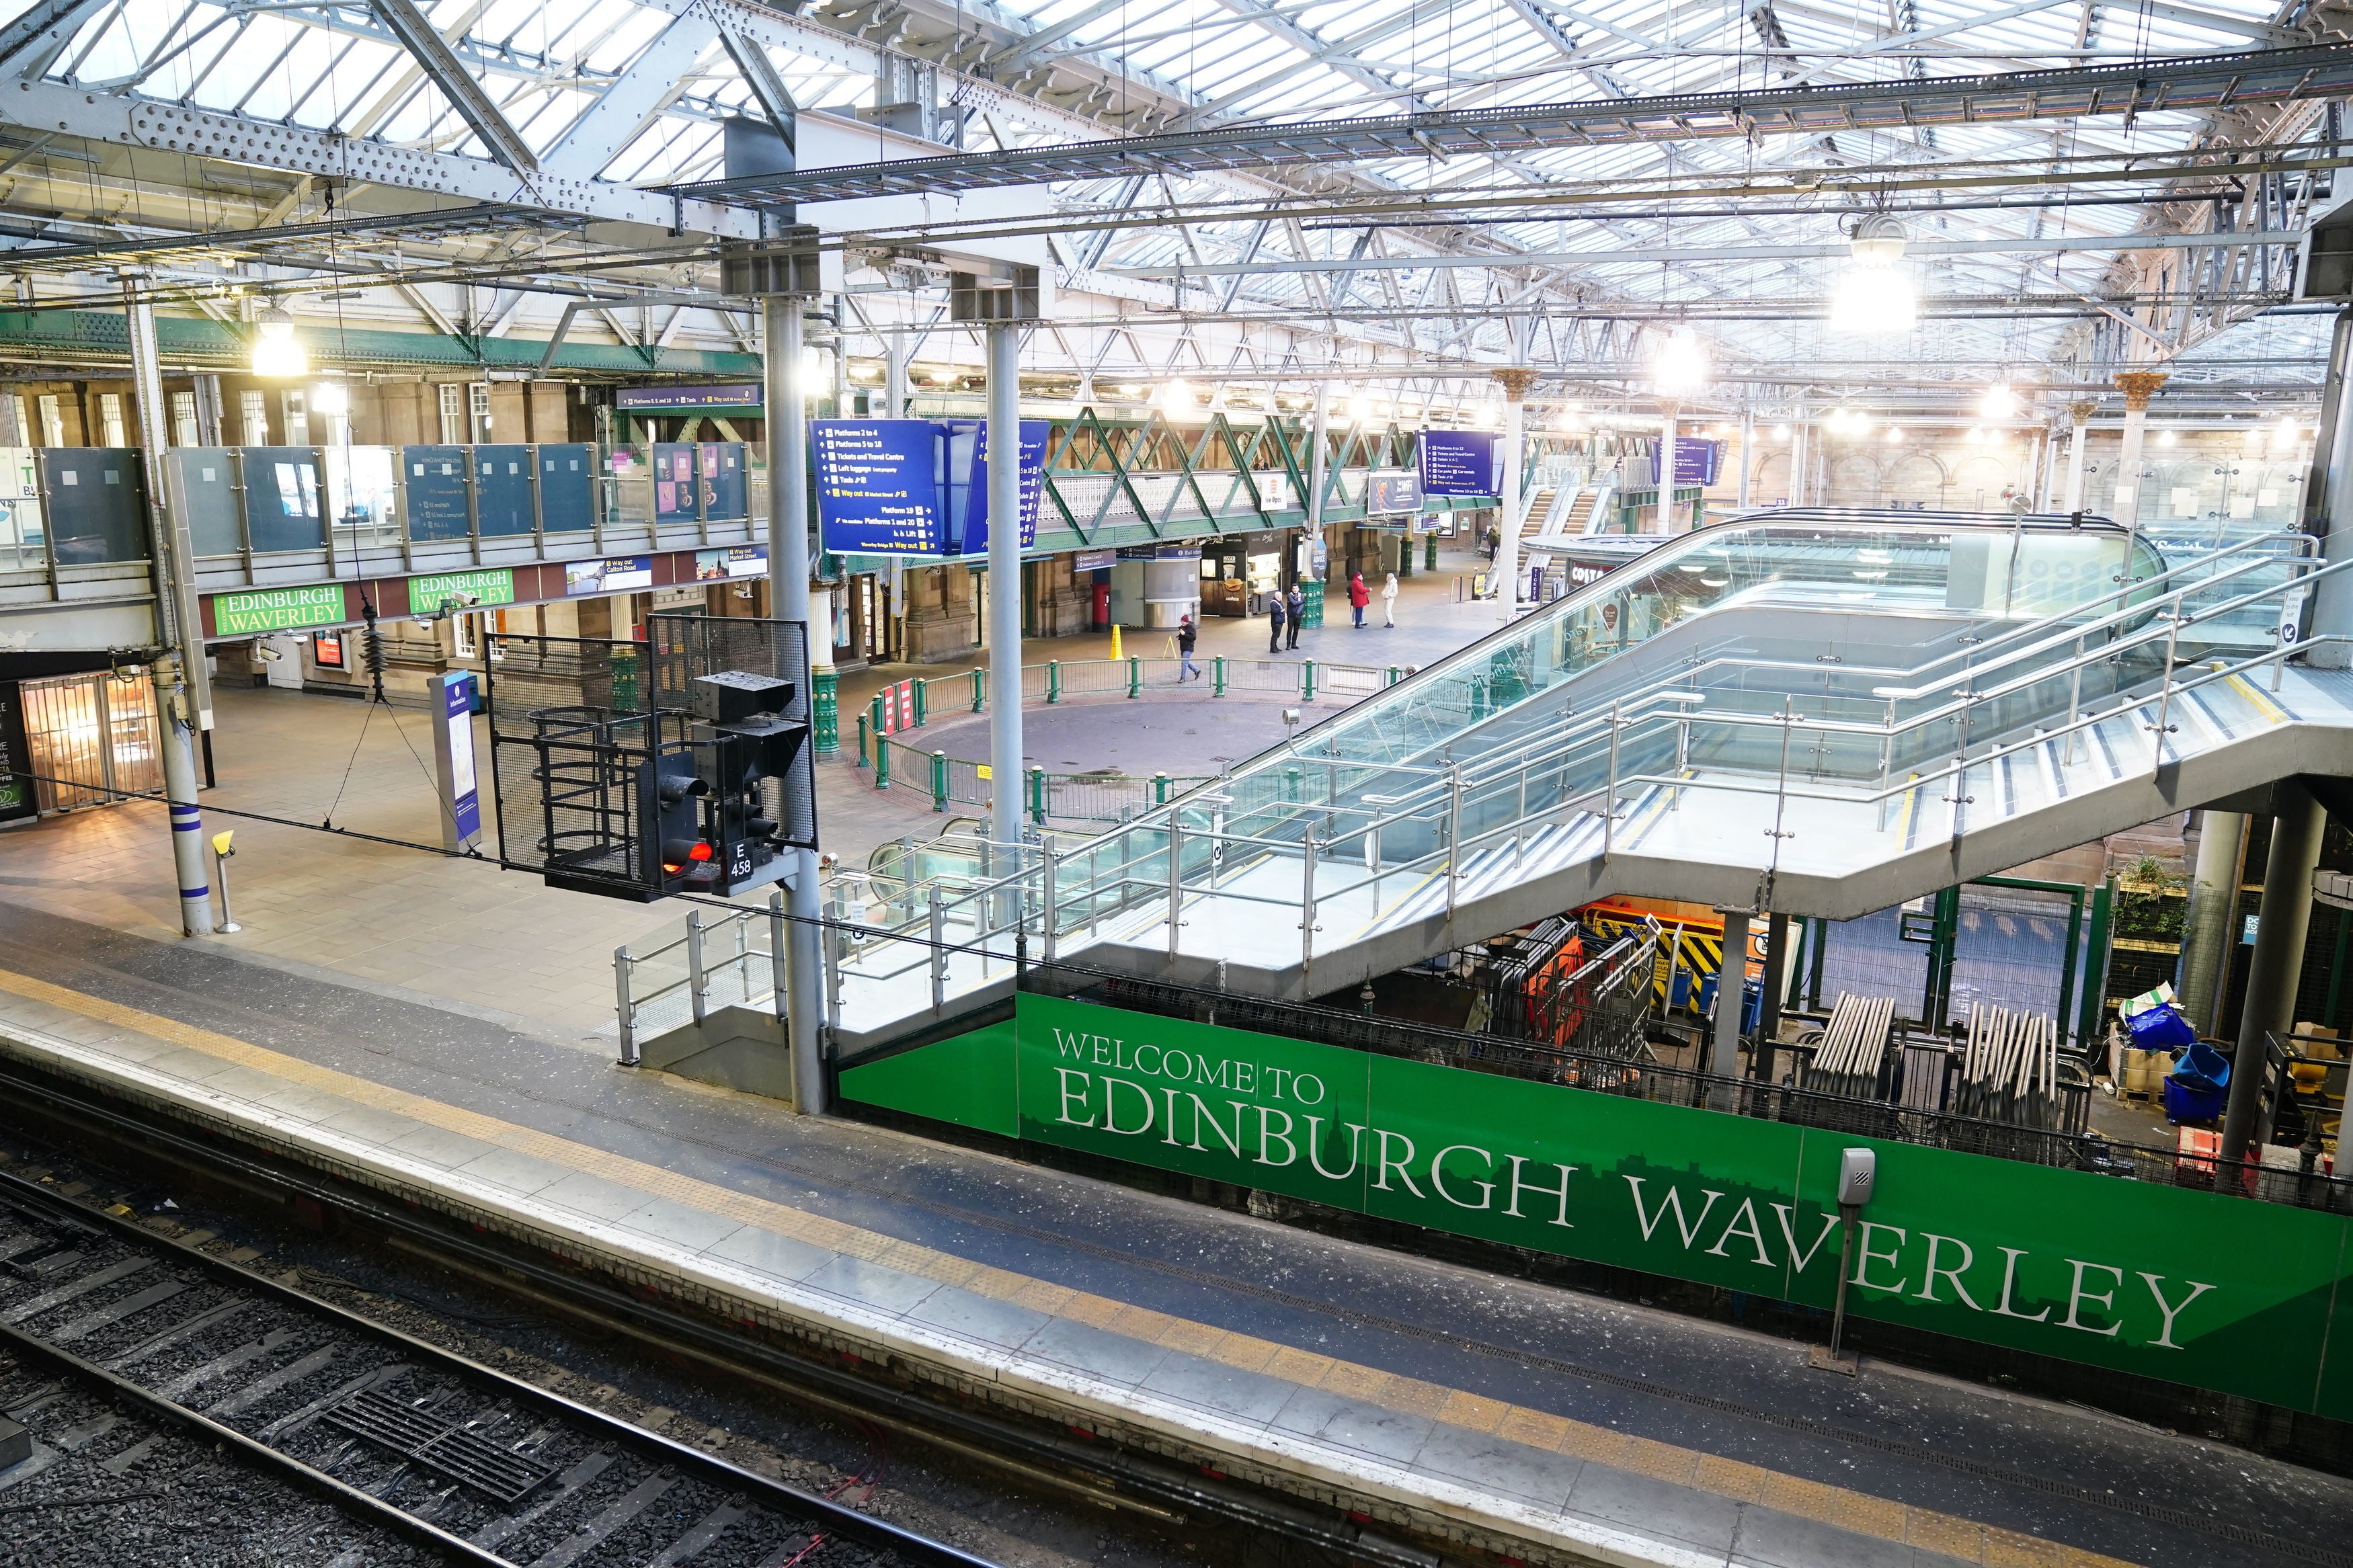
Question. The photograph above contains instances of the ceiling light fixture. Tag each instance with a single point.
(1680, 366)
(2000, 402)
(1875, 294)
(277, 353)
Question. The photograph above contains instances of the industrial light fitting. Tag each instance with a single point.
(2000, 402)
(1875, 294)
(331, 398)
(1679, 367)
(277, 353)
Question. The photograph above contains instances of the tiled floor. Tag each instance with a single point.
(498, 942)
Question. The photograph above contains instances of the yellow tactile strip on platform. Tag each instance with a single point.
(1835, 1506)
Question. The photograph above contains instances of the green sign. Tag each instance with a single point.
(2168, 1282)
(491, 585)
(277, 609)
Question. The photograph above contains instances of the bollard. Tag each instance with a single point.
(697, 998)
(979, 689)
(862, 760)
(224, 845)
(923, 705)
(1307, 680)
(1160, 789)
(1218, 675)
(1053, 681)
(883, 764)
(939, 781)
(1038, 794)
(1135, 676)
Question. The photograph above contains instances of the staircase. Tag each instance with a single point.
(1821, 713)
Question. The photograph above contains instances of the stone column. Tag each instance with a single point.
(2138, 386)
(2080, 414)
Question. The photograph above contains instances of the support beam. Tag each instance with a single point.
(2209, 926)
(178, 700)
(788, 596)
(2284, 919)
(1731, 985)
(1005, 584)
(769, 89)
(1516, 385)
(447, 73)
(630, 101)
(33, 39)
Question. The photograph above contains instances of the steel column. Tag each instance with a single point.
(2329, 498)
(1005, 582)
(1731, 983)
(2206, 927)
(181, 709)
(789, 593)
(2285, 916)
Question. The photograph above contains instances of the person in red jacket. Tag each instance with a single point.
(1359, 597)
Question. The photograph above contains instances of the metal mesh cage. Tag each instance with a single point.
(680, 647)
(577, 725)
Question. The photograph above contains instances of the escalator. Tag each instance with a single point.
(1819, 714)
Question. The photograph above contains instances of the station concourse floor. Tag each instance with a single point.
(1624, 1434)
(445, 1028)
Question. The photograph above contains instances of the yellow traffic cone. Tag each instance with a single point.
(1115, 641)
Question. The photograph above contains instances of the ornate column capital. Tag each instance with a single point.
(2081, 413)
(2138, 386)
(1515, 384)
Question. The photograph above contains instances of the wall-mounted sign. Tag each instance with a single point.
(1092, 560)
(453, 748)
(611, 574)
(277, 609)
(1696, 461)
(327, 649)
(1393, 490)
(489, 586)
(2146, 1278)
(726, 395)
(735, 561)
(1458, 463)
(916, 486)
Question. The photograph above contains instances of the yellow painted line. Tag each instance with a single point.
(2264, 705)
(1837, 1506)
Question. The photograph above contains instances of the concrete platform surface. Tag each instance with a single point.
(1452, 1400)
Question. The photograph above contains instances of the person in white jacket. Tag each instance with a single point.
(1389, 601)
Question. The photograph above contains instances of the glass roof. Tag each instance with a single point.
(338, 67)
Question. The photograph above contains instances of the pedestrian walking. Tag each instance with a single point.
(1389, 601)
(1359, 597)
(1187, 670)
(1274, 623)
(1294, 605)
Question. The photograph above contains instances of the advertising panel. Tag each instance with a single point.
(486, 585)
(2162, 1281)
(734, 561)
(610, 574)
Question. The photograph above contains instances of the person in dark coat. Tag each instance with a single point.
(1359, 597)
(1274, 623)
(1186, 670)
(1294, 605)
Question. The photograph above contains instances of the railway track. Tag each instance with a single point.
(459, 1461)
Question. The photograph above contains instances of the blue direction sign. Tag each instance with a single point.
(876, 486)
(914, 487)
(1458, 463)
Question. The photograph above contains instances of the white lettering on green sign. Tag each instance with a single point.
(277, 609)
(491, 585)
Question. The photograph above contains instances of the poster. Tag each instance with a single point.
(610, 574)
